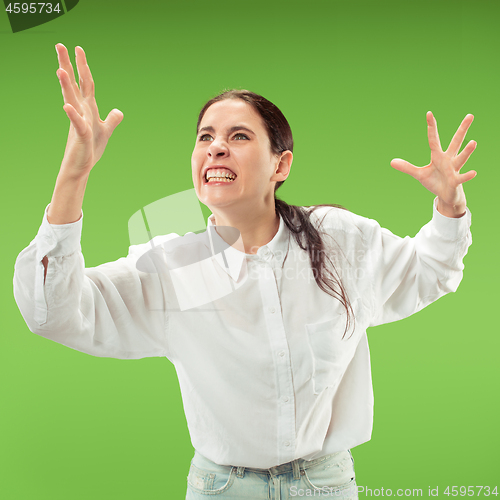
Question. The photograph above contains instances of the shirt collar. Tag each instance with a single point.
(231, 260)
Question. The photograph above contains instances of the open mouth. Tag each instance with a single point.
(213, 176)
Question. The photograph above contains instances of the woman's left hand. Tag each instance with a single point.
(442, 176)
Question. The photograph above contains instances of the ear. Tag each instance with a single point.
(282, 167)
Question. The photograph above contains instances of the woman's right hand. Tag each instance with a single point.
(88, 134)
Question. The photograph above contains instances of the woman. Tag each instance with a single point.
(275, 375)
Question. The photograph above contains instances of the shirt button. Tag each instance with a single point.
(285, 399)
(287, 443)
(272, 310)
(281, 353)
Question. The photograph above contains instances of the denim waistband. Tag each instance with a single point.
(293, 466)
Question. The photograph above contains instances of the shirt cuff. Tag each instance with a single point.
(452, 228)
(56, 240)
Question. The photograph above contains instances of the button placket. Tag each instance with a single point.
(282, 361)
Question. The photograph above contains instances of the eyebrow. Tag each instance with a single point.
(230, 131)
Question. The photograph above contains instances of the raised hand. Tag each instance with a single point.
(88, 134)
(442, 176)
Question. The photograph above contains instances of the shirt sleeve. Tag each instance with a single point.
(407, 273)
(112, 310)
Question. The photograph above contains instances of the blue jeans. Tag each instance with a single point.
(331, 476)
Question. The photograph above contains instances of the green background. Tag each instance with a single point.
(355, 80)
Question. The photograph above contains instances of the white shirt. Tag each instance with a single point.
(264, 375)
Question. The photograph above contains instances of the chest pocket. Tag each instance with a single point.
(330, 354)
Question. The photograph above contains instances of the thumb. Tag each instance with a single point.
(113, 119)
(406, 167)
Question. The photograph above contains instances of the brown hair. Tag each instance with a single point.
(296, 218)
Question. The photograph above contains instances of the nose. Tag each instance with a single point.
(218, 148)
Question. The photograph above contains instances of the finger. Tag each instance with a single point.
(465, 154)
(113, 119)
(76, 120)
(459, 136)
(406, 167)
(432, 133)
(85, 76)
(67, 90)
(65, 63)
(467, 176)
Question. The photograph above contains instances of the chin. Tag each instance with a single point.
(217, 203)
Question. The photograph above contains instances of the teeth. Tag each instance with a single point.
(219, 174)
(220, 179)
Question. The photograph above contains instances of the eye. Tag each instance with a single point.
(235, 135)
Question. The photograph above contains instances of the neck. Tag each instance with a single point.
(257, 228)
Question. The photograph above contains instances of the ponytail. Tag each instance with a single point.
(298, 221)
